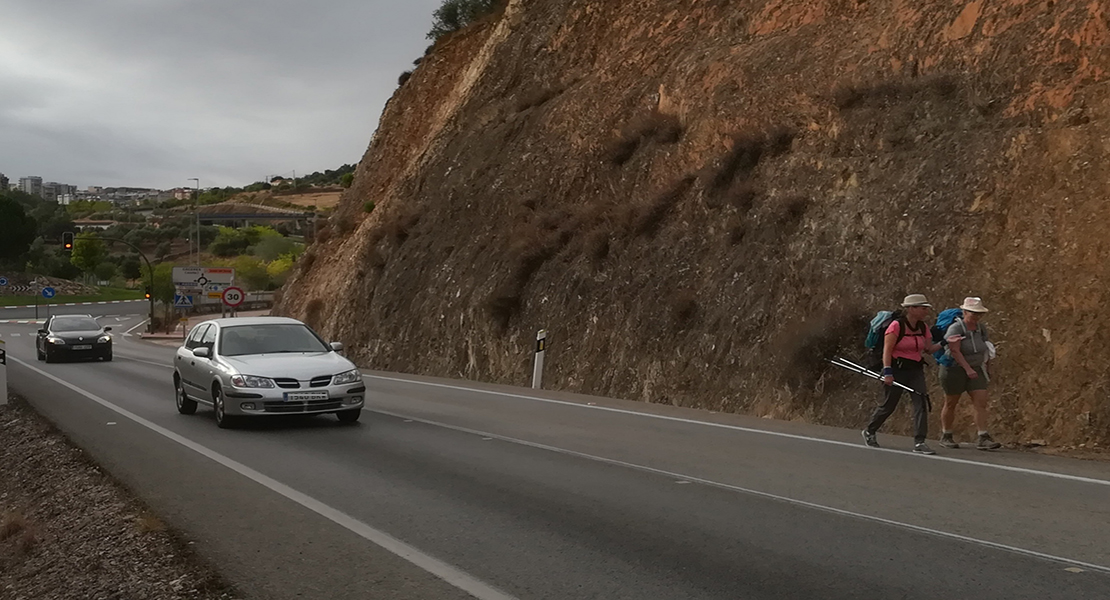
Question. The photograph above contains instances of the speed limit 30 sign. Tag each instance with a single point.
(233, 296)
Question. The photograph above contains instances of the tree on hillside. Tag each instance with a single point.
(17, 230)
(163, 283)
(453, 15)
(88, 251)
(271, 247)
(105, 271)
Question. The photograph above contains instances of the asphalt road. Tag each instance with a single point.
(448, 489)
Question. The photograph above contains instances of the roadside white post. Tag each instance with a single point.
(537, 369)
(3, 374)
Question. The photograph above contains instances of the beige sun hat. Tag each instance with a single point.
(916, 300)
(973, 304)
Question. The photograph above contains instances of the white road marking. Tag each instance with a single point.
(792, 436)
(141, 323)
(452, 575)
(15, 335)
(146, 362)
(748, 491)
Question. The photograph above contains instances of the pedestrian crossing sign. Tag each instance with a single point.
(182, 301)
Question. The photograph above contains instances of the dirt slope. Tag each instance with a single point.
(700, 199)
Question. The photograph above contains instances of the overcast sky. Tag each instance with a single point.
(148, 93)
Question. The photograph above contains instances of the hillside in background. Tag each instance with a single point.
(702, 199)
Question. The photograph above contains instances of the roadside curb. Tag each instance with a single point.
(75, 303)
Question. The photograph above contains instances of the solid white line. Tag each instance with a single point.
(148, 362)
(751, 492)
(141, 323)
(792, 436)
(452, 575)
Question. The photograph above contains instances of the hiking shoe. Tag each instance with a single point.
(869, 439)
(947, 442)
(922, 448)
(987, 443)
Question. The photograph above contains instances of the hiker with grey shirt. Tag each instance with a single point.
(969, 348)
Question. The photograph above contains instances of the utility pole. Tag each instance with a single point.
(196, 211)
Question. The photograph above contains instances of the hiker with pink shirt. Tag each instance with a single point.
(905, 342)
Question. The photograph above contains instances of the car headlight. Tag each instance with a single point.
(56, 340)
(250, 381)
(104, 339)
(352, 376)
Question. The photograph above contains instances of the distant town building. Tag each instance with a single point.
(66, 199)
(4, 183)
(31, 185)
(94, 189)
(182, 193)
(53, 191)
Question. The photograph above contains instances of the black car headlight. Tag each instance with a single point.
(56, 341)
(104, 339)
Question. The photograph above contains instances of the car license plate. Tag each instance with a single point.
(83, 347)
(305, 396)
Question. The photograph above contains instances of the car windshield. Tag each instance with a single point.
(80, 324)
(269, 339)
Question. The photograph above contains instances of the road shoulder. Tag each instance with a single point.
(65, 525)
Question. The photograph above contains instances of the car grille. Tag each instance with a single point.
(300, 407)
(287, 383)
(321, 381)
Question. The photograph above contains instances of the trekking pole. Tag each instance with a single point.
(853, 367)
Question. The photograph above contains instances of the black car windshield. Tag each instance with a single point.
(74, 324)
(269, 339)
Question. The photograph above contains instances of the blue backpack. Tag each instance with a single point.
(875, 333)
(944, 321)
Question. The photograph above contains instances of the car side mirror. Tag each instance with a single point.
(107, 329)
(42, 332)
(336, 346)
(202, 352)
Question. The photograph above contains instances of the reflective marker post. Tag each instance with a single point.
(3, 374)
(537, 369)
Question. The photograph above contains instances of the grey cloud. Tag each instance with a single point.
(227, 91)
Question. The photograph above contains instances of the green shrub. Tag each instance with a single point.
(368, 207)
(453, 15)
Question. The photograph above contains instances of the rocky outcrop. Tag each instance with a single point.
(702, 199)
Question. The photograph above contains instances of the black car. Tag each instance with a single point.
(73, 336)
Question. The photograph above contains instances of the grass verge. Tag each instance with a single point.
(105, 295)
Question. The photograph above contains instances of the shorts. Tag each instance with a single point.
(955, 381)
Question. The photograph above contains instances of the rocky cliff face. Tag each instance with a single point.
(701, 199)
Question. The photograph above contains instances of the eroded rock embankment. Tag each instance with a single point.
(701, 199)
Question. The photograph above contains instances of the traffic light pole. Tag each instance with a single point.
(150, 269)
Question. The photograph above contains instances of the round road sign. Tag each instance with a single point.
(3, 281)
(48, 292)
(233, 296)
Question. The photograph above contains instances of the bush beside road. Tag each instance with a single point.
(67, 530)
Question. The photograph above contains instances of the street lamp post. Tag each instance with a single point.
(196, 211)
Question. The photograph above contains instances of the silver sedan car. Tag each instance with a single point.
(262, 366)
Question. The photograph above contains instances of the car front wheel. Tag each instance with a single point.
(185, 406)
(223, 421)
(49, 356)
